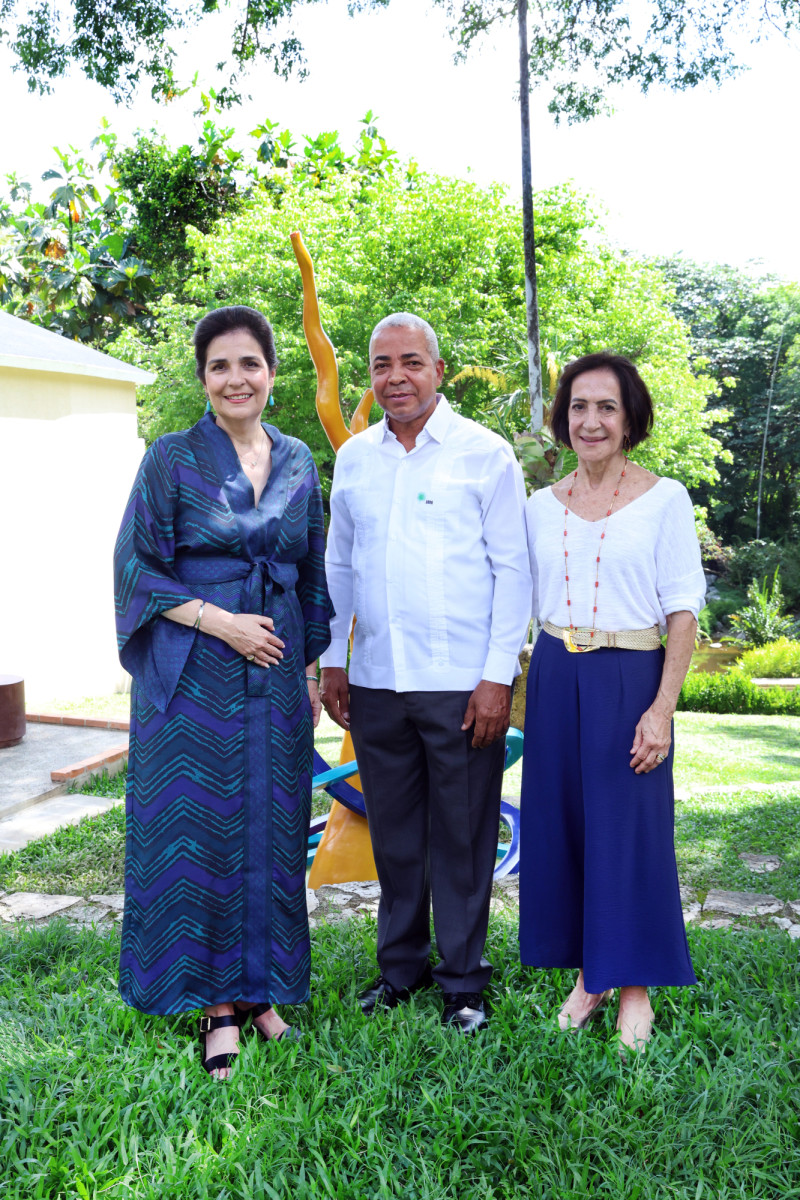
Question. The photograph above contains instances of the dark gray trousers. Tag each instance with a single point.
(433, 806)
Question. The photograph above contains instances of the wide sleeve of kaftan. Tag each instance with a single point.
(312, 589)
(152, 648)
(680, 582)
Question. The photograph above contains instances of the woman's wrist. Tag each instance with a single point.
(217, 622)
(311, 673)
(663, 708)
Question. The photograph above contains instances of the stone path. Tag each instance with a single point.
(344, 901)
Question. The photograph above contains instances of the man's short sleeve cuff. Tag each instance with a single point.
(501, 667)
(336, 654)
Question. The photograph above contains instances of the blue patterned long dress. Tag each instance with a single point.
(219, 774)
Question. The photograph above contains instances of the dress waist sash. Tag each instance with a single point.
(262, 578)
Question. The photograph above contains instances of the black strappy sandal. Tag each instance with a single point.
(289, 1034)
(207, 1025)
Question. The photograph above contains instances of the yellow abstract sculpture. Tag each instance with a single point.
(345, 851)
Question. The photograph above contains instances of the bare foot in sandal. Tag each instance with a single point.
(580, 1006)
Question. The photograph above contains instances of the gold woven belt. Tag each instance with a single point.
(578, 641)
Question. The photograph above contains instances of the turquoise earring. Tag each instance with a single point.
(271, 401)
(208, 406)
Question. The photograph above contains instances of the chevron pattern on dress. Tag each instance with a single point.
(197, 782)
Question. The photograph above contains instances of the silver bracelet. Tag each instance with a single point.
(199, 617)
(311, 679)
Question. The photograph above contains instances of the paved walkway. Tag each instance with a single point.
(25, 770)
(40, 819)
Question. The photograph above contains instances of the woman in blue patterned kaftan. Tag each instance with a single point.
(222, 610)
(615, 562)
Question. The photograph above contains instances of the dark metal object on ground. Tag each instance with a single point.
(12, 710)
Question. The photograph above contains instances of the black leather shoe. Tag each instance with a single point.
(465, 1011)
(383, 994)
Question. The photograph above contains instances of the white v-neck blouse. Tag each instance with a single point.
(649, 561)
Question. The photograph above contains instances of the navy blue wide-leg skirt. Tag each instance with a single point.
(598, 880)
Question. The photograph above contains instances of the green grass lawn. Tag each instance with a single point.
(711, 831)
(715, 750)
(100, 1101)
(115, 706)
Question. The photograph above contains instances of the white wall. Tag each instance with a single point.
(69, 451)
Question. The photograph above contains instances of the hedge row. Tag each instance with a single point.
(735, 693)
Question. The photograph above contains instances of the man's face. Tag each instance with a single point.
(404, 376)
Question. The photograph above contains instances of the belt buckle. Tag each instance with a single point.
(572, 646)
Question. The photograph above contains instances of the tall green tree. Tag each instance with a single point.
(444, 248)
(97, 255)
(122, 44)
(69, 265)
(583, 47)
(745, 333)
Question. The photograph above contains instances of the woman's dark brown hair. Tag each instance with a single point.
(636, 399)
(226, 320)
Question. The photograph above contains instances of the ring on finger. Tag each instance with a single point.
(250, 657)
(660, 757)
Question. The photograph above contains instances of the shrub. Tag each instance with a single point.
(716, 557)
(735, 693)
(762, 620)
(759, 558)
(728, 601)
(776, 660)
(705, 622)
(714, 618)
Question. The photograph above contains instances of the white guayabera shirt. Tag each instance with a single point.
(428, 549)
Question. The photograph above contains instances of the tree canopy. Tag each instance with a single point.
(122, 43)
(580, 46)
(745, 332)
(183, 230)
(583, 47)
(385, 237)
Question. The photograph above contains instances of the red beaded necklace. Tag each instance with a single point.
(568, 640)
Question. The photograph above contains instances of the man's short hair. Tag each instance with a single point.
(406, 320)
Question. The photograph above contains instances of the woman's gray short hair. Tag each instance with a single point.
(406, 320)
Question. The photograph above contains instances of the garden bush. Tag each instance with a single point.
(776, 660)
(763, 620)
(716, 613)
(734, 693)
(759, 558)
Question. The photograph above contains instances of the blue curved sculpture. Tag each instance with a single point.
(333, 780)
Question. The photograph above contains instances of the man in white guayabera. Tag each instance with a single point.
(427, 548)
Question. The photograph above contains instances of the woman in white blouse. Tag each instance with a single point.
(615, 562)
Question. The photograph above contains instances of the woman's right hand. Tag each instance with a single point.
(251, 635)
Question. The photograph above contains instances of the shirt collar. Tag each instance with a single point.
(436, 425)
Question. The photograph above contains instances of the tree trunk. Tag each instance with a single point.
(766, 430)
(531, 297)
